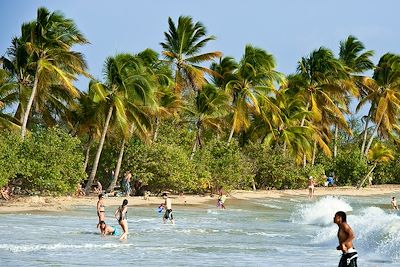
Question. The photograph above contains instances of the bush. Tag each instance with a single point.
(349, 167)
(51, 162)
(10, 145)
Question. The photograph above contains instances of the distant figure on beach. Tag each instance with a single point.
(346, 237)
(106, 229)
(100, 209)
(168, 209)
(120, 214)
(127, 183)
(79, 190)
(6, 192)
(221, 198)
(98, 188)
(311, 186)
(394, 203)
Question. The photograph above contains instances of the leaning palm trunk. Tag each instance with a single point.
(314, 153)
(335, 141)
(365, 134)
(156, 130)
(231, 134)
(88, 145)
(366, 177)
(373, 135)
(99, 149)
(118, 167)
(29, 106)
(197, 141)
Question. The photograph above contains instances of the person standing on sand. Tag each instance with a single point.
(127, 183)
(120, 214)
(311, 186)
(394, 203)
(346, 237)
(221, 198)
(168, 209)
(100, 209)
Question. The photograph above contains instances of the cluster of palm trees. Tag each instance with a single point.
(247, 100)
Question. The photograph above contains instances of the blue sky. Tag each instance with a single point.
(287, 29)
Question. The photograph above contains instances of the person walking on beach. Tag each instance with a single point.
(100, 209)
(221, 198)
(346, 237)
(168, 209)
(106, 229)
(120, 214)
(394, 203)
(127, 183)
(311, 186)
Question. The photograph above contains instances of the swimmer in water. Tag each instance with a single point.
(106, 229)
(100, 209)
(394, 203)
(120, 214)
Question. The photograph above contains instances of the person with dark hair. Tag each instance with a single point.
(106, 229)
(346, 237)
(100, 209)
(394, 203)
(120, 214)
(168, 209)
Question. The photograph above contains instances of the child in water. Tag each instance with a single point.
(106, 229)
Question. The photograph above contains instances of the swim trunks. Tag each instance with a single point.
(168, 214)
(115, 231)
(349, 259)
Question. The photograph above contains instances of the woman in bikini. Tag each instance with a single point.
(120, 214)
(100, 209)
(106, 229)
(311, 186)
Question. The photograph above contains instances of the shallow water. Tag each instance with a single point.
(291, 231)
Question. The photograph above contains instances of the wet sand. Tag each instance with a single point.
(46, 203)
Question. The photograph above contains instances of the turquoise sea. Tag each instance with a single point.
(289, 231)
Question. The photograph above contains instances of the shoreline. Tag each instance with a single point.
(61, 204)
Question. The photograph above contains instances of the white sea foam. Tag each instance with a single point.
(377, 233)
(59, 246)
(320, 212)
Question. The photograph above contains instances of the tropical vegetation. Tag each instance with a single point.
(191, 120)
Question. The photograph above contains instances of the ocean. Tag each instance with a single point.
(287, 231)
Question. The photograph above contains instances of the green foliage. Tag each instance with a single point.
(10, 144)
(349, 167)
(160, 166)
(225, 164)
(51, 162)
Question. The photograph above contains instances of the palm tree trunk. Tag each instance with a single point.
(197, 140)
(335, 141)
(99, 149)
(29, 106)
(118, 167)
(231, 134)
(284, 148)
(88, 145)
(304, 160)
(156, 130)
(365, 134)
(366, 177)
(303, 120)
(314, 153)
(373, 135)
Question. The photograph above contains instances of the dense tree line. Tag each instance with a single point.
(179, 125)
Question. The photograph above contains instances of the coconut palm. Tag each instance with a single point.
(356, 61)
(48, 41)
(209, 109)
(376, 155)
(254, 79)
(384, 88)
(122, 83)
(182, 46)
(139, 102)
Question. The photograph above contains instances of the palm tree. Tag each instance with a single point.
(254, 79)
(8, 97)
(182, 45)
(384, 88)
(137, 84)
(377, 154)
(48, 41)
(209, 109)
(356, 61)
(114, 93)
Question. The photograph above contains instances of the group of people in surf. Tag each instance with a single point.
(121, 215)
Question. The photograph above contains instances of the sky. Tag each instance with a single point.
(288, 29)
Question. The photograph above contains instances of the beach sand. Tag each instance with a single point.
(43, 203)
